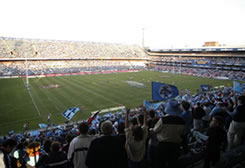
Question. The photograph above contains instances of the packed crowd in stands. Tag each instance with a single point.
(18, 68)
(210, 60)
(24, 48)
(201, 72)
(106, 57)
(201, 130)
(232, 64)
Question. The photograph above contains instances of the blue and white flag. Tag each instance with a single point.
(238, 87)
(11, 132)
(152, 106)
(162, 91)
(69, 113)
(205, 88)
(42, 125)
(34, 133)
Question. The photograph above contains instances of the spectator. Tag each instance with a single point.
(68, 139)
(237, 126)
(56, 158)
(169, 130)
(187, 116)
(103, 151)
(152, 120)
(197, 114)
(44, 154)
(122, 140)
(216, 141)
(153, 142)
(79, 146)
(136, 137)
(8, 151)
(21, 155)
(221, 110)
(1, 160)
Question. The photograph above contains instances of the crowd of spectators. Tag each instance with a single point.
(18, 68)
(209, 60)
(203, 129)
(70, 57)
(203, 72)
(24, 48)
(229, 63)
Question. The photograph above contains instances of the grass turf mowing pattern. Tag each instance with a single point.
(89, 92)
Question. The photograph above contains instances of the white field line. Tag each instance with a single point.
(32, 99)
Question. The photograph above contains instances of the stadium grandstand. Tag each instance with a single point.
(53, 57)
(19, 57)
(213, 62)
(198, 127)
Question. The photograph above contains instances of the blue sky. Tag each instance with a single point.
(166, 23)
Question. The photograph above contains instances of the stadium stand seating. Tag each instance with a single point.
(228, 66)
(45, 57)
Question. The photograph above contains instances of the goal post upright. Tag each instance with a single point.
(27, 79)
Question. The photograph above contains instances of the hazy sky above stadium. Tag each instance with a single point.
(166, 23)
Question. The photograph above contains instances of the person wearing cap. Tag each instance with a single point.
(78, 148)
(104, 151)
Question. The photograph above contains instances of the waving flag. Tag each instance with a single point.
(162, 91)
(92, 117)
(238, 87)
(69, 113)
(205, 88)
(151, 106)
(42, 125)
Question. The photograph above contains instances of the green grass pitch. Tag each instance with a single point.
(89, 92)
